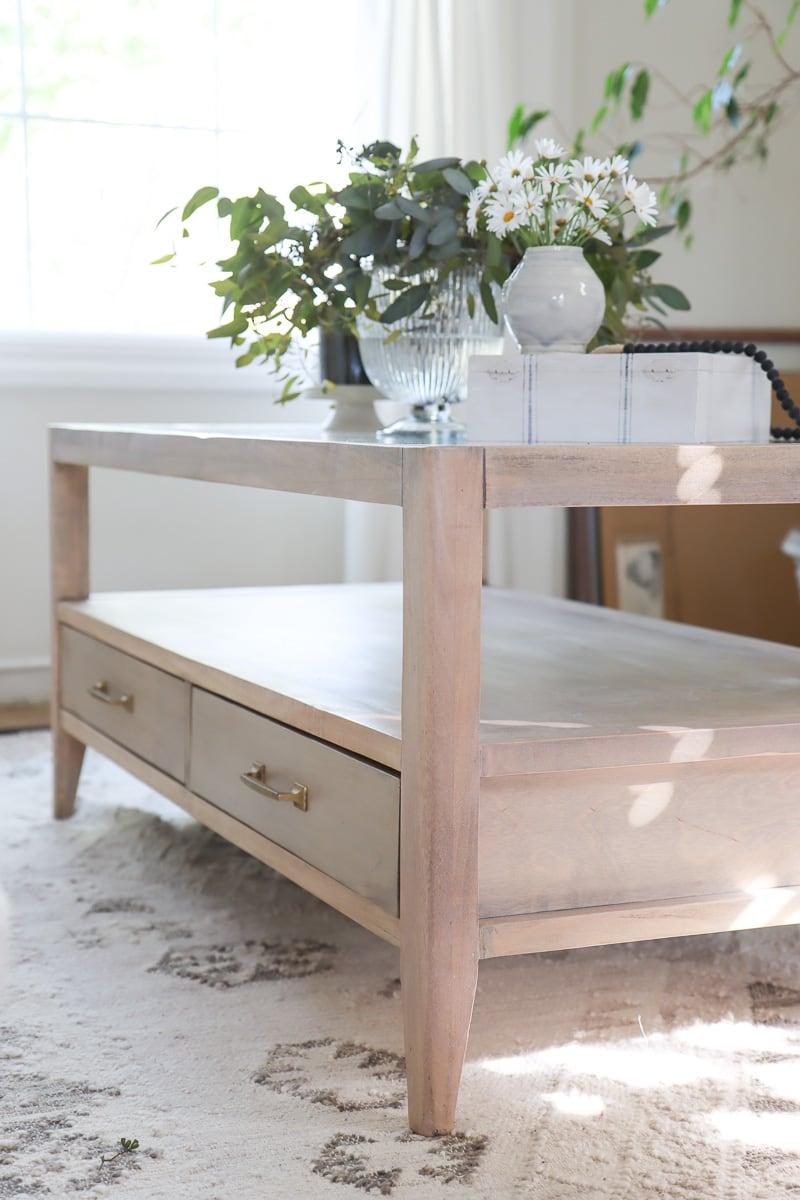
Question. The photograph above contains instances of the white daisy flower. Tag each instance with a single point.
(587, 197)
(554, 202)
(644, 204)
(562, 212)
(515, 185)
(532, 205)
(563, 216)
(547, 148)
(591, 170)
(514, 166)
(552, 175)
(504, 213)
(618, 166)
(629, 185)
(474, 202)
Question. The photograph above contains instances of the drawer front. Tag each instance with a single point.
(350, 828)
(154, 721)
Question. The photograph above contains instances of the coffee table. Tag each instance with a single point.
(464, 771)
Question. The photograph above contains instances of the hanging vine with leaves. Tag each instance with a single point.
(723, 121)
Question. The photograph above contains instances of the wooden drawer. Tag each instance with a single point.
(153, 724)
(350, 829)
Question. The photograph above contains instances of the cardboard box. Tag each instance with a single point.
(617, 398)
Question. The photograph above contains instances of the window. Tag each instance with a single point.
(113, 111)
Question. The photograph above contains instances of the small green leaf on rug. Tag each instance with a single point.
(127, 1146)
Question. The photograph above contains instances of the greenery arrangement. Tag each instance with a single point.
(309, 267)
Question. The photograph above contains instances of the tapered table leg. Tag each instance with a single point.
(69, 557)
(440, 769)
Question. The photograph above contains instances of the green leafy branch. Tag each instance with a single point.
(309, 267)
(728, 122)
(127, 1146)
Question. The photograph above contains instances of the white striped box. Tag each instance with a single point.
(617, 398)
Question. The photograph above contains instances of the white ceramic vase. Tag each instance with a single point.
(553, 301)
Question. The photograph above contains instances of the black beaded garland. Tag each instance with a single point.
(716, 347)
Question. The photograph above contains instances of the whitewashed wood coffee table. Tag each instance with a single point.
(465, 772)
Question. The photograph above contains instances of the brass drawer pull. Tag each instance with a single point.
(255, 778)
(100, 692)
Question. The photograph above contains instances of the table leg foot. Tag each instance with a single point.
(437, 1012)
(67, 761)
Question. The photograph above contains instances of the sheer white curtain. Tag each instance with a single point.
(450, 73)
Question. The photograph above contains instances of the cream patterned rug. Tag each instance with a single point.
(163, 988)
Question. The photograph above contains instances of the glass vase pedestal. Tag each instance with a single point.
(421, 360)
(432, 424)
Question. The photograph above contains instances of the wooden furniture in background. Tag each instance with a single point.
(15, 717)
(466, 772)
(721, 567)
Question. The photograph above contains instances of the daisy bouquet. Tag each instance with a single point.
(545, 200)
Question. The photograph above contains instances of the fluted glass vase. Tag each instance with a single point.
(425, 364)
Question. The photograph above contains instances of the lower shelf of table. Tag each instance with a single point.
(565, 686)
(604, 813)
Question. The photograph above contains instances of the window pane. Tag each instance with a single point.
(277, 169)
(14, 307)
(134, 104)
(281, 124)
(96, 194)
(288, 76)
(10, 96)
(141, 61)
